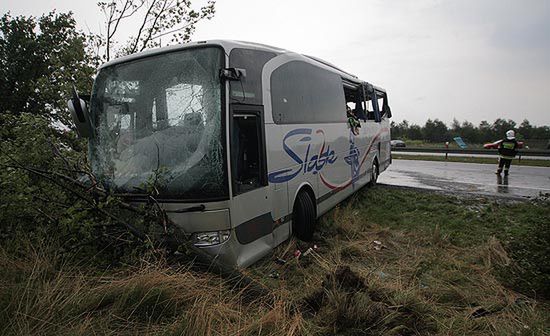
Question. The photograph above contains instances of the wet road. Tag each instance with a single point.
(471, 155)
(468, 177)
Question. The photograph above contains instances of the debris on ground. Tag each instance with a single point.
(479, 312)
(298, 253)
(274, 274)
(308, 251)
(377, 245)
(382, 275)
(280, 261)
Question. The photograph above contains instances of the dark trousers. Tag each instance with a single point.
(502, 162)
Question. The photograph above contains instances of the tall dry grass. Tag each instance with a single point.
(41, 294)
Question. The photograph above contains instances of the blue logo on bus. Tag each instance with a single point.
(353, 160)
(306, 163)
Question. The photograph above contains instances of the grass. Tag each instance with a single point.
(154, 298)
(540, 144)
(444, 265)
(465, 159)
(427, 144)
(388, 262)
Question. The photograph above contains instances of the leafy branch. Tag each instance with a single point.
(157, 18)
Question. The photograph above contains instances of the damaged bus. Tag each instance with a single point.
(246, 144)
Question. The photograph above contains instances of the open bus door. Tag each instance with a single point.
(251, 208)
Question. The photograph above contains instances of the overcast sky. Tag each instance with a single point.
(469, 60)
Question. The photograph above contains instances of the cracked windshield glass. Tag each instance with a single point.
(158, 125)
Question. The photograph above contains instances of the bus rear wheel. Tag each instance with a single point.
(303, 217)
(374, 174)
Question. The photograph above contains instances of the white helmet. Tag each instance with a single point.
(510, 135)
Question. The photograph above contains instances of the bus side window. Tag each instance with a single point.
(246, 152)
(372, 107)
(353, 98)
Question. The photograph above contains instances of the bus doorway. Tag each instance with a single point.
(251, 205)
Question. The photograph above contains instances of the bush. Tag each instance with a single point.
(41, 198)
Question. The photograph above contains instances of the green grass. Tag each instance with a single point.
(466, 220)
(445, 265)
(522, 228)
(523, 162)
(426, 144)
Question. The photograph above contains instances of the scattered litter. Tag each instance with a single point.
(274, 274)
(378, 245)
(382, 275)
(280, 261)
(298, 253)
(479, 312)
(308, 251)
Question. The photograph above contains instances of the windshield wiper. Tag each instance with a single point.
(195, 208)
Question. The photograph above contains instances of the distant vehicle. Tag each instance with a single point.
(249, 143)
(397, 143)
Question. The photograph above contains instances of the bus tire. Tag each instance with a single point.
(374, 173)
(303, 217)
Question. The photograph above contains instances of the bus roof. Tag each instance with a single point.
(228, 45)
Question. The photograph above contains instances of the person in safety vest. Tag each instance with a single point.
(507, 149)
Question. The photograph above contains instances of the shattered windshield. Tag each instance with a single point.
(158, 125)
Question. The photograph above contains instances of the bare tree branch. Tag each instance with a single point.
(173, 31)
(150, 31)
(112, 7)
(134, 48)
(158, 18)
(134, 11)
(126, 4)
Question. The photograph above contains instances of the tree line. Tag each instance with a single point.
(437, 131)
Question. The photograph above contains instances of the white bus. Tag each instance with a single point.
(243, 144)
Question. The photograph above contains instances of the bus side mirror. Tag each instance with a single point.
(233, 74)
(80, 115)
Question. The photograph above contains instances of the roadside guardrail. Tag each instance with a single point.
(524, 152)
(447, 151)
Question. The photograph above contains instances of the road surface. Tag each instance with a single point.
(475, 178)
(494, 156)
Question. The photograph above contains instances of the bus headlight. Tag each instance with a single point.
(205, 239)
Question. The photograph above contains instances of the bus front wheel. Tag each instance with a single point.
(303, 217)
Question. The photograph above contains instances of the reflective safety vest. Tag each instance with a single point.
(508, 148)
